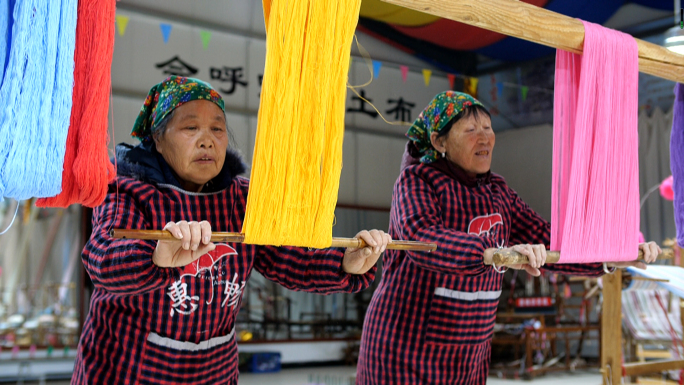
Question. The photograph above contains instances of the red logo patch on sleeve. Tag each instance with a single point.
(482, 225)
(207, 261)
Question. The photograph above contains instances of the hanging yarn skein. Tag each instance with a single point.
(35, 96)
(5, 34)
(298, 151)
(595, 190)
(677, 160)
(87, 168)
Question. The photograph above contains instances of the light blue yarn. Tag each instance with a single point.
(5, 27)
(35, 98)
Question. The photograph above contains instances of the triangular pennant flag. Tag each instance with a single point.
(499, 88)
(524, 90)
(376, 68)
(166, 31)
(426, 76)
(404, 72)
(470, 86)
(122, 23)
(452, 79)
(206, 36)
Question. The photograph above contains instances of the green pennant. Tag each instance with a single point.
(206, 36)
(524, 90)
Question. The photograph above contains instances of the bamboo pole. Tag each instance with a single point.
(539, 25)
(239, 238)
(509, 257)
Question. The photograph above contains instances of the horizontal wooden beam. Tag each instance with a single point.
(639, 368)
(539, 25)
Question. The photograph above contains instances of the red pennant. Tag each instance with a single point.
(452, 79)
(404, 72)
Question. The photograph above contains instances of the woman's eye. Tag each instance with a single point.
(218, 129)
(191, 128)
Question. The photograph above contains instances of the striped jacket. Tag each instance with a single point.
(152, 325)
(431, 319)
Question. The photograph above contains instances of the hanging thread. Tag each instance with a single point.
(35, 97)
(16, 210)
(87, 168)
(298, 151)
(677, 160)
(595, 190)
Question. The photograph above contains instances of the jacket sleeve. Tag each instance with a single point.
(417, 216)
(123, 266)
(528, 227)
(316, 271)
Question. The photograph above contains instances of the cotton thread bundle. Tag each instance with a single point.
(595, 191)
(298, 150)
(677, 160)
(35, 97)
(87, 169)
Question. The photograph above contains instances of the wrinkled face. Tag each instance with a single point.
(194, 143)
(469, 143)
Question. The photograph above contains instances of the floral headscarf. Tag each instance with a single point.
(435, 117)
(168, 95)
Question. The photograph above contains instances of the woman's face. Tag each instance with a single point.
(194, 143)
(469, 143)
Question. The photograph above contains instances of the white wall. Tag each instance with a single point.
(523, 157)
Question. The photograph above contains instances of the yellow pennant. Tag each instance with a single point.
(427, 74)
(122, 23)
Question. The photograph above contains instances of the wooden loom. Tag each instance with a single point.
(538, 25)
(611, 337)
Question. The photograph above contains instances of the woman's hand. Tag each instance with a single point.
(359, 261)
(193, 240)
(651, 251)
(536, 255)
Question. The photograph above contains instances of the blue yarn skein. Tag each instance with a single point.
(35, 98)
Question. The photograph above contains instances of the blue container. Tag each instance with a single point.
(265, 362)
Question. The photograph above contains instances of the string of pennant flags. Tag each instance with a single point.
(469, 83)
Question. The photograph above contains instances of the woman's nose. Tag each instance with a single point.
(205, 140)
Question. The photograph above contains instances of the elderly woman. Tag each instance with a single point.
(431, 318)
(164, 312)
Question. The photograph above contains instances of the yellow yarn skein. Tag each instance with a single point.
(298, 151)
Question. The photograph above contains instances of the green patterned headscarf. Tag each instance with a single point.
(435, 117)
(165, 97)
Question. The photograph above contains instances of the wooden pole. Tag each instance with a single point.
(639, 368)
(510, 257)
(239, 238)
(539, 25)
(611, 329)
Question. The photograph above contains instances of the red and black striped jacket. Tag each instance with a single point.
(153, 325)
(431, 319)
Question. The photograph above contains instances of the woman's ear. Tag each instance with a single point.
(157, 143)
(437, 142)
